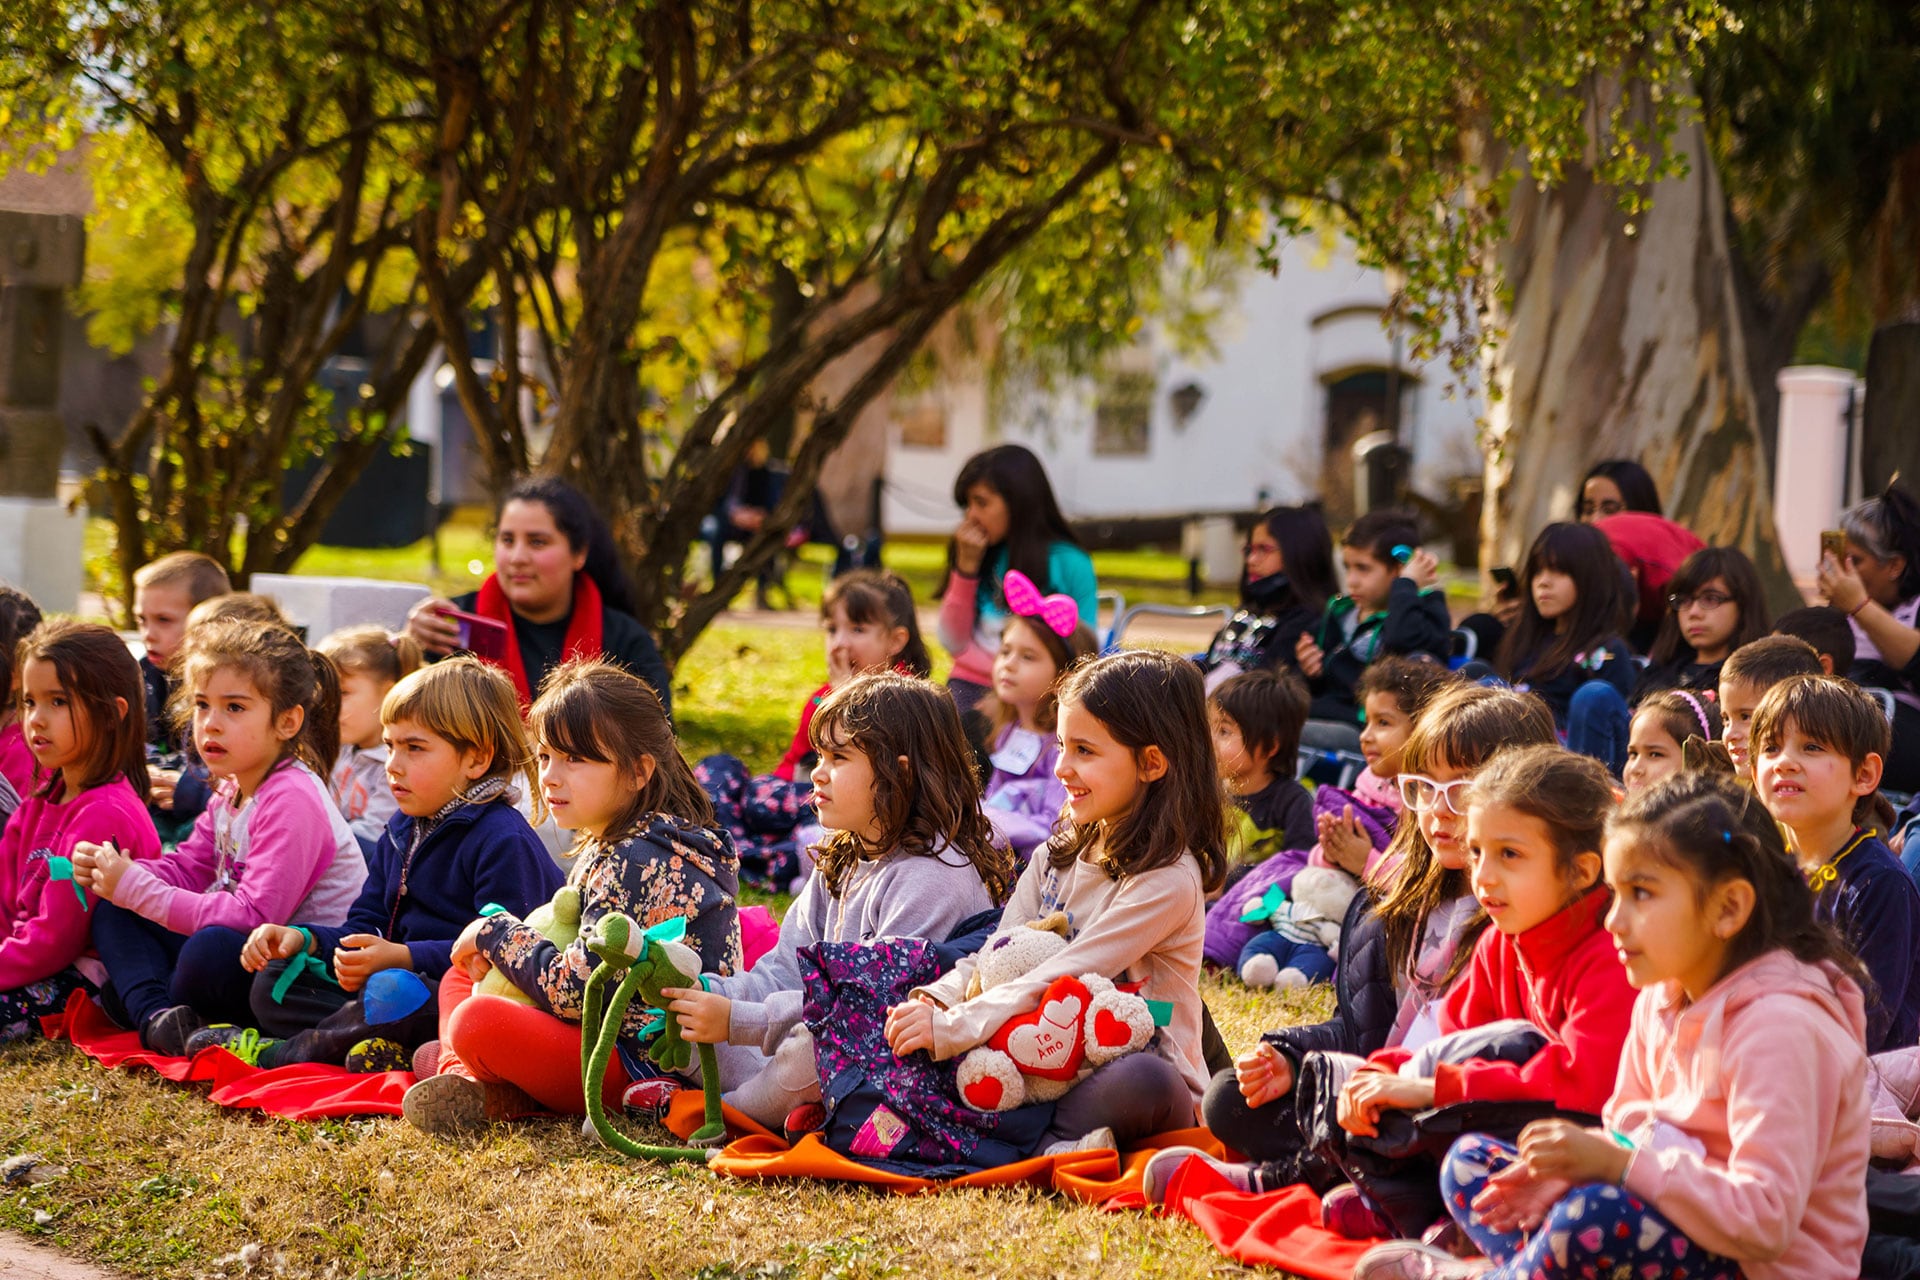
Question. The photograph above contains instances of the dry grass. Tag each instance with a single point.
(162, 1183)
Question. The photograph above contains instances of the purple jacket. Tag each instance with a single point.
(1226, 934)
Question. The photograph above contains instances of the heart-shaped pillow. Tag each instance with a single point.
(1050, 1042)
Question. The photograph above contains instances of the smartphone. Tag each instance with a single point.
(484, 638)
(1833, 542)
(1504, 579)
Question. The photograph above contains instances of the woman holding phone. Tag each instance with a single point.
(556, 593)
(1876, 583)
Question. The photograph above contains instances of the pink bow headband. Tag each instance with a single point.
(1059, 612)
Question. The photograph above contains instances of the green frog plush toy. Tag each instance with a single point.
(635, 962)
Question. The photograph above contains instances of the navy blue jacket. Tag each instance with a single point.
(1875, 906)
(1413, 624)
(1611, 660)
(480, 853)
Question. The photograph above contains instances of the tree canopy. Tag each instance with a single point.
(699, 207)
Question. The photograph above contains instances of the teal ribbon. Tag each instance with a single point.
(59, 868)
(303, 961)
(1271, 901)
(667, 931)
(1162, 1011)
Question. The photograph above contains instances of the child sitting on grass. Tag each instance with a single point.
(454, 744)
(1391, 606)
(646, 846)
(1354, 827)
(165, 593)
(1818, 743)
(1748, 673)
(1040, 642)
(1255, 719)
(371, 661)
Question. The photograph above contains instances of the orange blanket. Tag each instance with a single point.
(1093, 1176)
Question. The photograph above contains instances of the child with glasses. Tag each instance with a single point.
(1402, 945)
(1715, 605)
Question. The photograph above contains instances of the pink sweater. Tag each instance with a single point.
(284, 855)
(16, 761)
(47, 918)
(1749, 1115)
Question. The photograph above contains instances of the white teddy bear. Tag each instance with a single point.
(1081, 1023)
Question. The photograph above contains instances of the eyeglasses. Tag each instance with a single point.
(1705, 599)
(1423, 795)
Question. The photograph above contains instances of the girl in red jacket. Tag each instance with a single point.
(1535, 820)
(868, 622)
(1534, 824)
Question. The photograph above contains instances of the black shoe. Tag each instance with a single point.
(168, 1031)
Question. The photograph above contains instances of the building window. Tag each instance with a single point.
(1123, 412)
(922, 423)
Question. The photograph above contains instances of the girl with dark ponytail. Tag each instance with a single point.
(1736, 1138)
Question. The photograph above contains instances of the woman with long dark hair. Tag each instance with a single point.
(557, 590)
(1284, 588)
(1012, 522)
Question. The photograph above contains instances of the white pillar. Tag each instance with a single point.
(42, 551)
(1810, 461)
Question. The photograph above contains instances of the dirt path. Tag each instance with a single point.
(24, 1259)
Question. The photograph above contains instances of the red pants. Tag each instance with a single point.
(493, 1038)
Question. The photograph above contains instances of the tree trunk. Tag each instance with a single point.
(1890, 432)
(1619, 344)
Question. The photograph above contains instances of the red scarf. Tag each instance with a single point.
(583, 627)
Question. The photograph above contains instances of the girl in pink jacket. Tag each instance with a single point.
(1736, 1139)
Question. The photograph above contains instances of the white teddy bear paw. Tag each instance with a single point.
(989, 1081)
(1259, 971)
(1290, 978)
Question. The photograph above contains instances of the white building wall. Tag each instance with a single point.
(1259, 430)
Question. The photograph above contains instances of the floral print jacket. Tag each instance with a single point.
(661, 869)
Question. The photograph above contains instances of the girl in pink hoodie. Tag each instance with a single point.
(1736, 1139)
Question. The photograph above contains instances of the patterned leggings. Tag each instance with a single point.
(761, 812)
(22, 1008)
(1595, 1231)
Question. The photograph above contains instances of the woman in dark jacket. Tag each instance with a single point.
(1284, 588)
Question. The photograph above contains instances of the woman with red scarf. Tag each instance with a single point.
(557, 591)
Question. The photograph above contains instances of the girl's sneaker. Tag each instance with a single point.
(244, 1043)
(375, 1056)
(808, 1117)
(1411, 1260)
(452, 1103)
(426, 1059)
(167, 1032)
(1345, 1211)
(1162, 1165)
(650, 1099)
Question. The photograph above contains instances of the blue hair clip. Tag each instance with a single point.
(1403, 553)
(1726, 837)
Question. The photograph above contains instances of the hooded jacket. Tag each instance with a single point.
(662, 868)
(1749, 1116)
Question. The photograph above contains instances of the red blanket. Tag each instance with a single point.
(1274, 1228)
(298, 1092)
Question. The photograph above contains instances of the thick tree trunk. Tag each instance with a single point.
(1890, 431)
(1627, 345)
